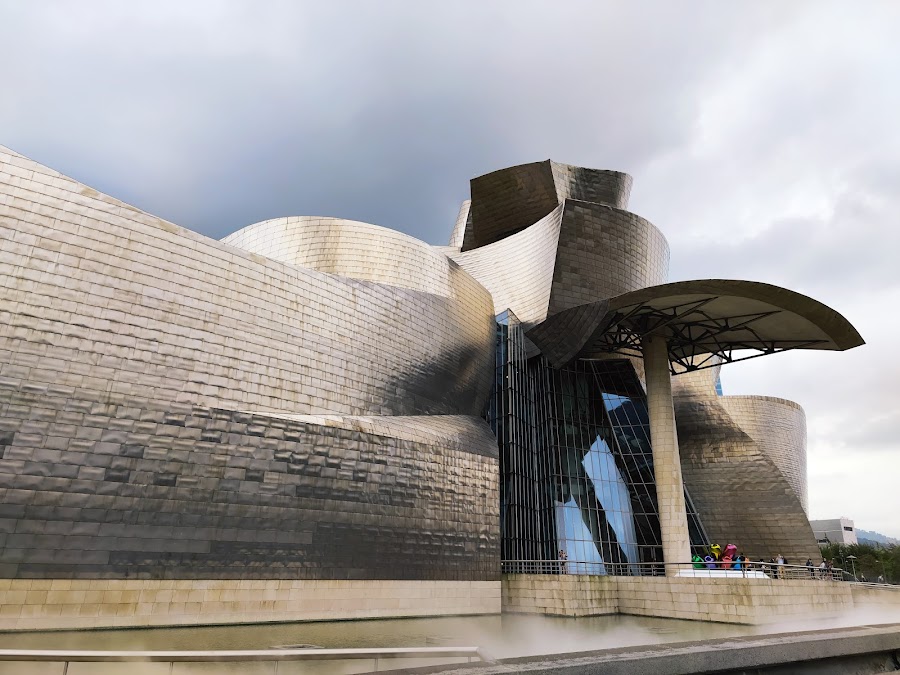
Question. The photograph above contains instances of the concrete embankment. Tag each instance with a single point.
(841, 651)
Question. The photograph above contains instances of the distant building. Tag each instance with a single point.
(834, 531)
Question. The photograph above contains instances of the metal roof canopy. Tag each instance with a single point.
(700, 320)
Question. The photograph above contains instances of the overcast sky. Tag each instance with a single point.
(764, 139)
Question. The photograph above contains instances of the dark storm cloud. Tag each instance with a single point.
(216, 115)
(762, 137)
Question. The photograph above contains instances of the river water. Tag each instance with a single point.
(501, 636)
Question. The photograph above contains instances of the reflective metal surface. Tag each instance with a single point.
(176, 407)
(732, 453)
(546, 237)
(506, 201)
(304, 399)
(779, 428)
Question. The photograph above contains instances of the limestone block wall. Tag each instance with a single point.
(560, 595)
(746, 601)
(873, 596)
(743, 601)
(40, 604)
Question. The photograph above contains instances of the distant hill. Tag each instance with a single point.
(867, 537)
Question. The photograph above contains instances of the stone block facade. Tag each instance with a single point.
(44, 604)
(742, 601)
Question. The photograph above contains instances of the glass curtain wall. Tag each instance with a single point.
(577, 487)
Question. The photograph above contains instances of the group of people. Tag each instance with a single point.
(730, 558)
(776, 567)
(823, 571)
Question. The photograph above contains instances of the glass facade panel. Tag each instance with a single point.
(576, 464)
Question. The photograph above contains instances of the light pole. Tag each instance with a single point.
(852, 558)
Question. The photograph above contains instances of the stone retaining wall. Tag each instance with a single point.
(745, 601)
(35, 604)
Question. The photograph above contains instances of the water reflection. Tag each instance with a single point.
(502, 636)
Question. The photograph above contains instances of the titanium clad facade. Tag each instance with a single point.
(603, 252)
(576, 461)
(591, 185)
(519, 270)
(740, 458)
(347, 248)
(779, 428)
(509, 200)
(317, 398)
(150, 379)
(576, 466)
(463, 227)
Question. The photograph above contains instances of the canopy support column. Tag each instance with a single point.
(666, 460)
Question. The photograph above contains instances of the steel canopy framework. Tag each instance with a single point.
(704, 323)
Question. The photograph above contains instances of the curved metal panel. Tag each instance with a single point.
(135, 356)
(509, 200)
(355, 250)
(461, 237)
(784, 315)
(188, 319)
(591, 185)
(778, 427)
(518, 270)
(738, 490)
(604, 252)
(705, 321)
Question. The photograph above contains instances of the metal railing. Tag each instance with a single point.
(881, 585)
(717, 569)
(277, 656)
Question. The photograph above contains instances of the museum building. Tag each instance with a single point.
(321, 400)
